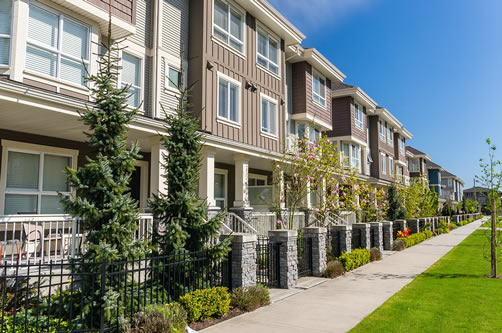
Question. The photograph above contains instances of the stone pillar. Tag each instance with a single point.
(288, 256)
(243, 259)
(157, 170)
(376, 230)
(341, 239)
(365, 234)
(319, 259)
(414, 225)
(402, 224)
(388, 236)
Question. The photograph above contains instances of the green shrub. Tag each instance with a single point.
(354, 259)
(334, 269)
(454, 226)
(398, 245)
(169, 318)
(250, 298)
(416, 238)
(29, 321)
(206, 303)
(375, 254)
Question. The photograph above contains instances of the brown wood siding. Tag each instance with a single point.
(341, 117)
(299, 87)
(202, 49)
(125, 9)
(375, 152)
(314, 109)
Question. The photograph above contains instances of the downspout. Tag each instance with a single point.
(155, 76)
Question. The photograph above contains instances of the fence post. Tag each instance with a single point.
(288, 260)
(102, 296)
(243, 260)
(365, 234)
(341, 239)
(388, 237)
(377, 232)
(414, 225)
(319, 260)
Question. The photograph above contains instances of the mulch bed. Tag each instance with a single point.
(210, 322)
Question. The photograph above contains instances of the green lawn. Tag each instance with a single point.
(451, 296)
(489, 224)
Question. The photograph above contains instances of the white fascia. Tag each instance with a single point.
(324, 126)
(348, 138)
(358, 94)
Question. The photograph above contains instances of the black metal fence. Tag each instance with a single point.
(373, 237)
(356, 238)
(267, 262)
(97, 296)
(304, 248)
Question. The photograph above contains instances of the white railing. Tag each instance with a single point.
(237, 224)
(33, 238)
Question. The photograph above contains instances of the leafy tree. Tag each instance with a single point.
(181, 224)
(470, 206)
(396, 209)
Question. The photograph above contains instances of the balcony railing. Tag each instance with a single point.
(34, 238)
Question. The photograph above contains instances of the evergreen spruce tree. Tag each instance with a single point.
(181, 224)
(396, 209)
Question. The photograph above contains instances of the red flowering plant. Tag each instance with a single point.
(403, 233)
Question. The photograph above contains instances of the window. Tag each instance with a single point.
(173, 78)
(5, 30)
(390, 139)
(314, 134)
(268, 51)
(33, 181)
(358, 116)
(268, 115)
(356, 153)
(220, 189)
(383, 163)
(381, 126)
(228, 25)
(318, 89)
(56, 45)
(401, 145)
(259, 192)
(131, 75)
(346, 154)
(413, 165)
(229, 92)
(301, 131)
(391, 166)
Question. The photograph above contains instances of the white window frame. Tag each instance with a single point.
(411, 165)
(382, 130)
(223, 172)
(29, 148)
(221, 76)
(221, 30)
(58, 50)
(383, 163)
(9, 36)
(401, 145)
(346, 158)
(257, 176)
(391, 166)
(358, 116)
(355, 157)
(316, 74)
(141, 77)
(266, 57)
(168, 82)
(273, 101)
(390, 138)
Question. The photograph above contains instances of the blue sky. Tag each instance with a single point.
(435, 64)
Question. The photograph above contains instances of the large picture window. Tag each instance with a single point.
(5, 30)
(229, 95)
(318, 89)
(228, 25)
(268, 115)
(131, 75)
(268, 51)
(57, 45)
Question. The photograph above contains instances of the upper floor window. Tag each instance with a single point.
(268, 51)
(174, 78)
(359, 116)
(314, 134)
(268, 115)
(131, 75)
(57, 45)
(229, 24)
(346, 154)
(356, 156)
(382, 130)
(318, 88)
(5, 30)
(391, 166)
(390, 139)
(229, 95)
(401, 145)
(413, 165)
(383, 163)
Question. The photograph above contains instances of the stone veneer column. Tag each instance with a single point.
(402, 225)
(388, 237)
(319, 260)
(365, 234)
(288, 256)
(243, 259)
(341, 239)
(413, 224)
(377, 231)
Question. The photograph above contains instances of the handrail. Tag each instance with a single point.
(249, 227)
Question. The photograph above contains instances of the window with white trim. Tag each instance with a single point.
(401, 145)
(229, 96)
(390, 139)
(173, 78)
(228, 24)
(346, 154)
(382, 130)
(383, 163)
(318, 88)
(33, 181)
(57, 45)
(267, 51)
(131, 75)
(301, 130)
(356, 157)
(260, 193)
(268, 115)
(359, 115)
(314, 134)
(220, 189)
(391, 166)
(413, 165)
(5, 30)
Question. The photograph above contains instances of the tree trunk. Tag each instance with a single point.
(494, 241)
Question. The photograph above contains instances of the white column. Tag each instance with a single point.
(206, 180)
(241, 181)
(157, 170)
(282, 192)
(308, 201)
(18, 41)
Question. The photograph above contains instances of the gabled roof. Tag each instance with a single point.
(478, 189)
(434, 166)
(414, 152)
(390, 118)
(447, 174)
(317, 60)
(341, 89)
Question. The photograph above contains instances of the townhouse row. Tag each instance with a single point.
(257, 88)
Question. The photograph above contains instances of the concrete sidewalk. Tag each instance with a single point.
(340, 304)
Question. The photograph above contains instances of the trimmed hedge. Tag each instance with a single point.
(206, 303)
(169, 318)
(416, 238)
(354, 259)
(250, 298)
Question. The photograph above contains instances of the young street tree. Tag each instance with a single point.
(491, 178)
